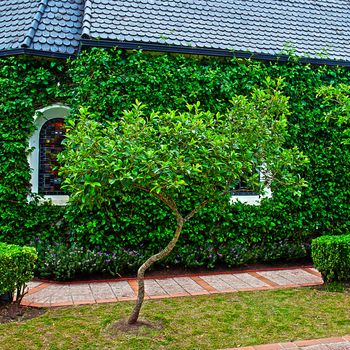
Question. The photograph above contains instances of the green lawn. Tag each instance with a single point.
(204, 322)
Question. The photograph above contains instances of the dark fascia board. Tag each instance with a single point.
(206, 52)
(31, 52)
(173, 49)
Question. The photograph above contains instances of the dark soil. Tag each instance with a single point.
(175, 271)
(141, 327)
(161, 271)
(11, 312)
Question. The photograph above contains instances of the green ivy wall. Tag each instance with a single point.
(109, 82)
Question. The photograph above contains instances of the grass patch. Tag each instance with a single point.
(339, 287)
(204, 322)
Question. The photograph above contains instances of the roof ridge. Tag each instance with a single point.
(86, 19)
(35, 24)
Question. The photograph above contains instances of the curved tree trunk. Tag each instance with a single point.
(149, 262)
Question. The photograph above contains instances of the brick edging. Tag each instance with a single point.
(234, 272)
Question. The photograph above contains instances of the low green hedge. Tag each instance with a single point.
(331, 256)
(16, 267)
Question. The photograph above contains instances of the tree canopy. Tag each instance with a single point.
(163, 154)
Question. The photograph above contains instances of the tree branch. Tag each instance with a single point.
(201, 205)
(195, 210)
(165, 198)
(168, 201)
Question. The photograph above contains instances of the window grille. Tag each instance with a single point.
(51, 136)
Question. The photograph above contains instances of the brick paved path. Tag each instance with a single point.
(50, 294)
(42, 294)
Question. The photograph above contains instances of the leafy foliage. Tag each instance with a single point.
(16, 267)
(338, 99)
(109, 81)
(331, 256)
(25, 85)
(61, 261)
(166, 81)
(164, 153)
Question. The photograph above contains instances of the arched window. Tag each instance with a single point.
(51, 136)
(45, 144)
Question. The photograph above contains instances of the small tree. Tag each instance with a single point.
(164, 154)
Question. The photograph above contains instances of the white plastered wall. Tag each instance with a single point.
(40, 117)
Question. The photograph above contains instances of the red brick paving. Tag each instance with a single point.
(204, 285)
(45, 294)
(264, 279)
(312, 271)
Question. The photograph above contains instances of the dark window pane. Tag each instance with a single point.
(241, 189)
(52, 134)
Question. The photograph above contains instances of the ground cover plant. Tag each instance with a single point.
(176, 156)
(203, 323)
(64, 261)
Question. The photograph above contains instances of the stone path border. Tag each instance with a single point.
(336, 343)
(52, 294)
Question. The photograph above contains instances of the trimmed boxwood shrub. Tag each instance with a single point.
(331, 256)
(16, 267)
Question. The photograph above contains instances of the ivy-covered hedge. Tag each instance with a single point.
(16, 267)
(165, 81)
(26, 85)
(331, 256)
(109, 81)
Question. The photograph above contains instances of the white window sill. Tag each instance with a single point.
(251, 200)
(60, 200)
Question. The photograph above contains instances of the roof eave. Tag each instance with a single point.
(156, 47)
(32, 52)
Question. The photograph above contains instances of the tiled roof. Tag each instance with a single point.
(60, 27)
(16, 18)
(52, 26)
(310, 27)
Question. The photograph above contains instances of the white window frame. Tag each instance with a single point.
(39, 119)
(253, 199)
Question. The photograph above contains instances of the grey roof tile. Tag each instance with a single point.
(264, 26)
(250, 25)
(40, 24)
(13, 26)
